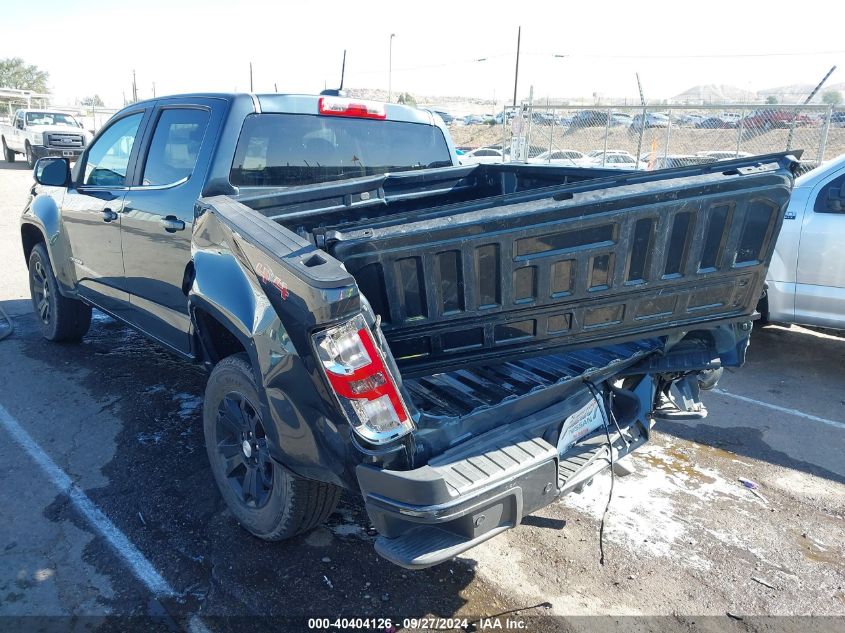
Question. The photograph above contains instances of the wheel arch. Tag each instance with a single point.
(30, 236)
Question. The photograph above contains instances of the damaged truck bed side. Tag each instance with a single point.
(462, 345)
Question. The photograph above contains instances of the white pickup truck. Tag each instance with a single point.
(806, 280)
(39, 133)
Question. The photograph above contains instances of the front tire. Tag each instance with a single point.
(61, 319)
(268, 501)
(8, 154)
(30, 156)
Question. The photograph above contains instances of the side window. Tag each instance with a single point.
(108, 157)
(175, 146)
(831, 198)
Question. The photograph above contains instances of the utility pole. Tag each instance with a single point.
(154, 90)
(134, 88)
(516, 72)
(250, 76)
(389, 68)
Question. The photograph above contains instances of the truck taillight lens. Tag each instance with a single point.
(339, 106)
(362, 382)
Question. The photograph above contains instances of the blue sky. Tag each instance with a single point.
(185, 45)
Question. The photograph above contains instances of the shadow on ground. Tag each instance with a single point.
(162, 495)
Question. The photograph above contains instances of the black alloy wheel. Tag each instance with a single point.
(39, 287)
(242, 445)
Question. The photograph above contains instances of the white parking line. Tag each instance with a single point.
(774, 407)
(140, 566)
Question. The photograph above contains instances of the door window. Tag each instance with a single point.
(175, 146)
(831, 198)
(108, 158)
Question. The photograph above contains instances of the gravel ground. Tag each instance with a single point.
(684, 540)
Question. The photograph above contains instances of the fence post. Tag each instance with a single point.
(668, 134)
(825, 132)
(740, 128)
(642, 132)
(791, 129)
(552, 133)
(606, 133)
(504, 130)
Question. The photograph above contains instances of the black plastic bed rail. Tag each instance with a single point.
(605, 260)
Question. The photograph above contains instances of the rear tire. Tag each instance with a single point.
(8, 154)
(61, 319)
(268, 501)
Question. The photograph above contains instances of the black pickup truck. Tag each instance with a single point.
(462, 345)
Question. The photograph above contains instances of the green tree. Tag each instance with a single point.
(771, 100)
(16, 73)
(832, 97)
(406, 98)
(93, 101)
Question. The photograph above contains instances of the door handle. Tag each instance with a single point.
(108, 215)
(171, 224)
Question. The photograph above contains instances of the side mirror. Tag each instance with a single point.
(52, 172)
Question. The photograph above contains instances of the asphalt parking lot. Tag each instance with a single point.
(143, 532)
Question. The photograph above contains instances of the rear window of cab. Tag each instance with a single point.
(286, 150)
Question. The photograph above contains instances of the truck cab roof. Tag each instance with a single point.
(299, 104)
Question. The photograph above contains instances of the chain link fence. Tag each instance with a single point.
(655, 137)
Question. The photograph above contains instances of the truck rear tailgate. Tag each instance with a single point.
(611, 259)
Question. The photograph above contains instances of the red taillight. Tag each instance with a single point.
(339, 106)
(359, 377)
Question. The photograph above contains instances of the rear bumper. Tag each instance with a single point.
(429, 515)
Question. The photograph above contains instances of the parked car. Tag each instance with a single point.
(620, 119)
(614, 158)
(715, 122)
(806, 280)
(723, 154)
(671, 161)
(773, 119)
(690, 120)
(506, 116)
(37, 133)
(474, 119)
(560, 157)
(370, 326)
(482, 155)
(543, 118)
(649, 120)
(837, 119)
(589, 118)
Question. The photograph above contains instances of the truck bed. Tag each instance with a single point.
(475, 265)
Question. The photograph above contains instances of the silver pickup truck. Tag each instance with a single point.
(39, 133)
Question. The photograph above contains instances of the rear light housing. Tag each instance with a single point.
(361, 381)
(341, 106)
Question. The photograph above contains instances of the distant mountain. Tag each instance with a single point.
(714, 93)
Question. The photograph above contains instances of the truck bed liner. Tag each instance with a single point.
(463, 391)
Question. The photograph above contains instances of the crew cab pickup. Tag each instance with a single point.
(39, 133)
(461, 345)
